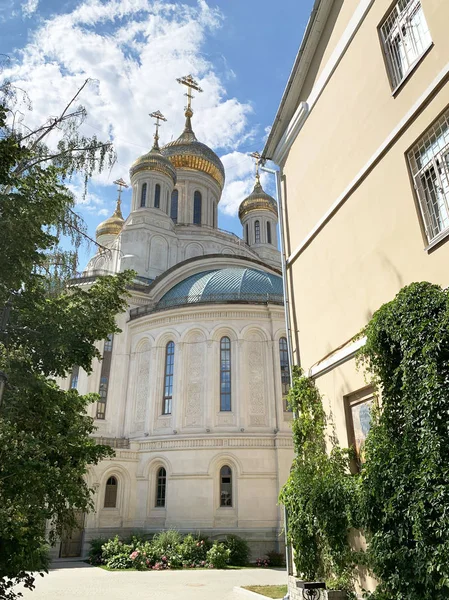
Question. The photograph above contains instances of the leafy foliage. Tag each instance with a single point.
(45, 432)
(320, 494)
(239, 549)
(167, 550)
(405, 487)
(218, 556)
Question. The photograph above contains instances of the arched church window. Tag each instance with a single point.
(110, 494)
(168, 378)
(247, 233)
(269, 232)
(197, 201)
(157, 196)
(174, 206)
(285, 369)
(257, 232)
(74, 377)
(225, 486)
(161, 486)
(225, 374)
(143, 195)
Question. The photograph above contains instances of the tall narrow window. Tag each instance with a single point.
(247, 233)
(429, 162)
(143, 195)
(110, 494)
(257, 232)
(197, 201)
(405, 38)
(268, 232)
(168, 378)
(104, 377)
(74, 377)
(285, 370)
(157, 196)
(161, 486)
(225, 374)
(225, 486)
(174, 206)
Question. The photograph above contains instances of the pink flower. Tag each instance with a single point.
(134, 555)
(164, 558)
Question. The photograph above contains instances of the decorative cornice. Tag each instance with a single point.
(222, 442)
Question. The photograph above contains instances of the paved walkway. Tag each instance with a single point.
(78, 581)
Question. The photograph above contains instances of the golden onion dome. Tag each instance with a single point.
(113, 225)
(154, 160)
(258, 200)
(188, 153)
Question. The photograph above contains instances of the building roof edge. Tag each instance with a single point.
(287, 106)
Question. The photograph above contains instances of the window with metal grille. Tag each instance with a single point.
(285, 370)
(161, 487)
(110, 494)
(143, 195)
(157, 196)
(168, 378)
(257, 232)
(225, 374)
(174, 206)
(225, 486)
(405, 38)
(197, 201)
(429, 162)
(74, 377)
(268, 232)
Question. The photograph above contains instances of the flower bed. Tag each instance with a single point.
(168, 550)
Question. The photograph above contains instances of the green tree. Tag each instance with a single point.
(320, 495)
(405, 488)
(45, 433)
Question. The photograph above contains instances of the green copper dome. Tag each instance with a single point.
(232, 284)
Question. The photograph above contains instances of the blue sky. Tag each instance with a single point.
(241, 51)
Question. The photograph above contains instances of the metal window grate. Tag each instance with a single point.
(429, 163)
(405, 37)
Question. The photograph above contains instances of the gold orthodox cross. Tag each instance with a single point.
(258, 158)
(121, 184)
(192, 85)
(159, 117)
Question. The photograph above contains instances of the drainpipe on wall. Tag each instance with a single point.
(278, 175)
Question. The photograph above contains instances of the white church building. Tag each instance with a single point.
(192, 391)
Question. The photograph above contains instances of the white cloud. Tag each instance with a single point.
(88, 203)
(29, 7)
(134, 50)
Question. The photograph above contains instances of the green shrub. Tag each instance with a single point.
(115, 554)
(96, 551)
(166, 540)
(120, 561)
(218, 556)
(276, 559)
(239, 550)
(193, 551)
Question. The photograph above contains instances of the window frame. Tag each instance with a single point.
(432, 190)
(157, 195)
(269, 236)
(257, 231)
(74, 377)
(169, 365)
(107, 503)
(226, 381)
(398, 25)
(353, 400)
(226, 501)
(197, 207)
(161, 488)
(174, 200)
(285, 371)
(143, 195)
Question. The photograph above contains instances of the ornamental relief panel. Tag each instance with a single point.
(142, 386)
(195, 382)
(256, 390)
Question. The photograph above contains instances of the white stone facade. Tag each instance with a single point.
(198, 437)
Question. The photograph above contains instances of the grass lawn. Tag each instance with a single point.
(271, 591)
